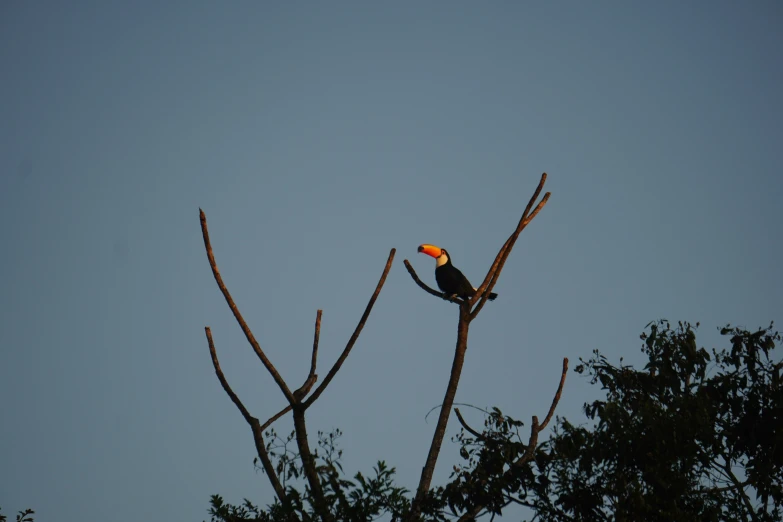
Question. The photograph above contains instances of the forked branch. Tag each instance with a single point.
(465, 317)
(238, 316)
(311, 377)
(347, 350)
(535, 430)
(483, 291)
(295, 399)
(255, 426)
(316, 337)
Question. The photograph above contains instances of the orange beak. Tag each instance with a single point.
(430, 250)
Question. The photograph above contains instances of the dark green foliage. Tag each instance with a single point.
(692, 436)
(362, 499)
(22, 516)
(488, 477)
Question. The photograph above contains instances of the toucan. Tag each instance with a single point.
(449, 278)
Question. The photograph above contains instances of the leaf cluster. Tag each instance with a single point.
(26, 515)
(692, 435)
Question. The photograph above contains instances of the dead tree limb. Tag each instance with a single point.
(483, 291)
(274, 417)
(316, 336)
(295, 399)
(311, 377)
(242, 324)
(255, 426)
(465, 317)
(300, 427)
(336, 367)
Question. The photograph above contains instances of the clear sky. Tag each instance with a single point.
(316, 137)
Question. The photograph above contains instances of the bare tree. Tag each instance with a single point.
(296, 399)
(468, 311)
(299, 400)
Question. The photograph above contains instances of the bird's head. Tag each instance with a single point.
(440, 254)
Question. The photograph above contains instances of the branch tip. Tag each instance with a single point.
(238, 315)
(349, 346)
(483, 291)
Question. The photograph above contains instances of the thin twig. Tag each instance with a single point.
(537, 428)
(706, 491)
(556, 399)
(468, 428)
(483, 291)
(426, 288)
(303, 390)
(315, 341)
(274, 417)
(482, 410)
(231, 304)
(740, 491)
(538, 208)
(336, 367)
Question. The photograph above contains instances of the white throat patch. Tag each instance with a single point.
(441, 260)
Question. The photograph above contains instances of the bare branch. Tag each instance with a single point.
(427, 289)
(303, 390)
(245, 328)
(255, 427)
(537, 428)
(740, 491)
(556, 399)
(706, 491)
(315, 342)
(483, 291)
(274, 417)
(318, 391)
(222, 378)
(538, 208)
(468, 428)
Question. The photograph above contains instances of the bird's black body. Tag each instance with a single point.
(453, 282)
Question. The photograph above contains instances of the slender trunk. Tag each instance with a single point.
(445, 411)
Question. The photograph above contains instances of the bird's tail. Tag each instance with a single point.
(492, 296)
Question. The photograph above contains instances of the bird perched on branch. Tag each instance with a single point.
(449, 278)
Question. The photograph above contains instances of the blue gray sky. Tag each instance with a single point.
(316, 137)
